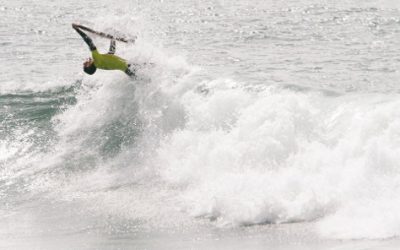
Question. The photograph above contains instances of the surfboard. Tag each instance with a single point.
(105, 35)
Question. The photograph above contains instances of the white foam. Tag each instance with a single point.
(243, 155)
(248, 157)
(231, 152)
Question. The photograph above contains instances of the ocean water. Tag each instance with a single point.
(252, 125)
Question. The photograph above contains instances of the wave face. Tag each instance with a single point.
(232, 143)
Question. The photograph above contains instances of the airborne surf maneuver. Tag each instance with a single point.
(107, 61)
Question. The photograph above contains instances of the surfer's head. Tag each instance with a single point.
(89, 67)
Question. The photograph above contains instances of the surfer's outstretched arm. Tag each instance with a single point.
(112, 47)
(85, 37)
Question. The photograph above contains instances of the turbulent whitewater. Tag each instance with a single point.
(244, 114)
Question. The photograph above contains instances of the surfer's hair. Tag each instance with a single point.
(90, 69)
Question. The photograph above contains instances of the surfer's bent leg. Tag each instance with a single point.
(87, 39)
(112, 47)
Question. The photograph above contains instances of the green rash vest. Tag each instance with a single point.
(108, 61)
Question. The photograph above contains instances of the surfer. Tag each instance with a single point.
(107, 61)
